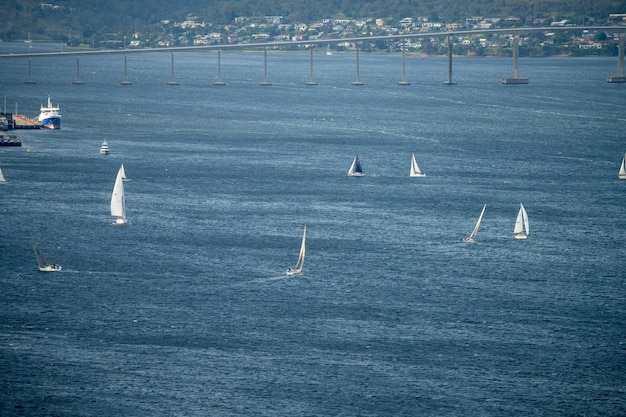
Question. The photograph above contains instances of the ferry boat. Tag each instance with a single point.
(104, 149)
(49, 116)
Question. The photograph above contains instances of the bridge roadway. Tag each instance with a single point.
(516, 32)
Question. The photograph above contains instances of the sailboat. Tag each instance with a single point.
(300, 263)
(118, 202)
(415, 169)
(521, 230)
(104, 149)
(622, 169)
(42, 260)
(471, 238)
(2, 179)
(355, 169)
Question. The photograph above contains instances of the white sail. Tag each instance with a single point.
(415, 169)
(472, 237)
(2, 179)
(622, 169)
(123, 171)
(355, 169)
(118, 201)
(300, 263)
(522, 228)
(43, 262)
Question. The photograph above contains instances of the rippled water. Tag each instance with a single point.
(187, 310)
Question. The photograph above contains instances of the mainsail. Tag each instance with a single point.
(415, 169)
(300, 262)
(118, 201)
(355, 169)
(522, 228)
(472, 236)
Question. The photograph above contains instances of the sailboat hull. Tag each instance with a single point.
(520, 236)
(50, 268)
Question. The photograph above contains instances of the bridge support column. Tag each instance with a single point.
(516, 79)
(78, 81)
(125, 80)
(265, 82)
(172, 81)
(29, 80)
(403, 81)
(449, 80)
(357, 81)
(619, 78)
(311, 81)
(219, 69)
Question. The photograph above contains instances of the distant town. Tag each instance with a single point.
(249, 30)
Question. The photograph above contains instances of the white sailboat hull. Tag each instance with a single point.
(50, 268)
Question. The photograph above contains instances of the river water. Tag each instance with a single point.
(187, 311)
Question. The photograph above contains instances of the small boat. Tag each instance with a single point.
(415, 169)
(622, 169)
(471, 238)
(9, 140)
(521, 230)
(300, 263)
(118, 201)
(49, 116)
(42, 260)
(104, 149)
(2, 179)
(355, 169)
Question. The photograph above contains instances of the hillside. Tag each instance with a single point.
(86, 20)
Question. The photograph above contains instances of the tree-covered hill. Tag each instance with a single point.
(83, 19)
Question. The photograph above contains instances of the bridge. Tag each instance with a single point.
(515, 32)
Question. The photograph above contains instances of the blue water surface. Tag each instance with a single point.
(187, 310)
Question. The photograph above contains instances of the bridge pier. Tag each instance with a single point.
(403, 80)
(357, 81)
(78, 81)
(125, 81)
(265, 81)
(172, 81)
(449, 80)
(619, 78)
(516, 79)
(311, 81)
(219, 69)
(29, 80)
